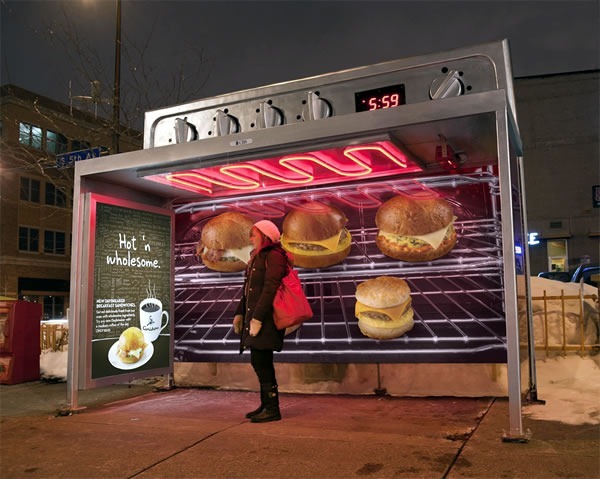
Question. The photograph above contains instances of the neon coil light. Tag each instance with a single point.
(303, 169)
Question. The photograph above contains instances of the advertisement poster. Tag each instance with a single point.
(131, 310)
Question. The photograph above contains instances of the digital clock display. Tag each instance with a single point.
(380, 98)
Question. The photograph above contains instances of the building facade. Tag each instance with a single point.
(36, 192)
(559, 120)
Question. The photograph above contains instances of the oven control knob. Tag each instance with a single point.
(316, 108)
(226, 124)
(268, 116)
(446, 86)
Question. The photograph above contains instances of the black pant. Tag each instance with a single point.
(262, 362)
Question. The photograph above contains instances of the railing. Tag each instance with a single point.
(54, 335)
(565, 322)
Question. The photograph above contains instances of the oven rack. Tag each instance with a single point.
(365, 194)
(478, 245)
(453, 313)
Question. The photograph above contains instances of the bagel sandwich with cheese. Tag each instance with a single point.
(131, 345)
(383, 307)
(316, 235)
(415, 229)
(225, 242)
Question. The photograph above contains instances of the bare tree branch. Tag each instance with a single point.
(144, 85)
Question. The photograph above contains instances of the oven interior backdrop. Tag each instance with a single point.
(457, 299)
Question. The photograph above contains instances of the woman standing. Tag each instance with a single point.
(253, 319)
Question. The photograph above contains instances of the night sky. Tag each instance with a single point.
(220, 47)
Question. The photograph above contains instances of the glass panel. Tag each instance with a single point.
(48, 242)
(48, 307)
(36, 137)
(28, 239)
(50, 194)
(30, 190)
(54, 307)
(558, 255)
(24, 189)
(55, 142)
(54, 242)
(24, 133)
(61, 199)
(35, 191)
(60, 243)
(23, 239)
(30, 135)
(55, 196)
(34, 240)
(79, 145)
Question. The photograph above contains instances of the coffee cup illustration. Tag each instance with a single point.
(151, 317)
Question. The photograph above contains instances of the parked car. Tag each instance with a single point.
(563, 276)
(589, 274)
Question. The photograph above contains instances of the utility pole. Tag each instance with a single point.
(117, 84)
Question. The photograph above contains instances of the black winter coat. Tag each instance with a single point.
(260, 285)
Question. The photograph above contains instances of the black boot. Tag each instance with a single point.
(264, 388)
(271, 411)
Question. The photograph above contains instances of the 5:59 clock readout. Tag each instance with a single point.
(380, 98)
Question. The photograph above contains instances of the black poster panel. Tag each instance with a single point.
(132, 304)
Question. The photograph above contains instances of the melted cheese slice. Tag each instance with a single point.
(394, 312)
(243, 254)
(434, 239)
(135, 352)
(328, 243)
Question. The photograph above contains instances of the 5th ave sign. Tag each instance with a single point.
(68, 159)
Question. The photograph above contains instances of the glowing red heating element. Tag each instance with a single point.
(335, 165)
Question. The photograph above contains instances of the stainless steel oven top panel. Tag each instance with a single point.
(392, 84)
(467, 122)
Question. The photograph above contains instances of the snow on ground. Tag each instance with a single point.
(571, 388)
(569, 385)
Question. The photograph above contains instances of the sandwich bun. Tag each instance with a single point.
(225, 242)
(316, 235)
(131, 345)
(415, 230)
(383, 307)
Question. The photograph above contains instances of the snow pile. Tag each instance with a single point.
(554, 314)
(53, 364)
(571, 388)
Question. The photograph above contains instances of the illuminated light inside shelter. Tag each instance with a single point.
(335, 165)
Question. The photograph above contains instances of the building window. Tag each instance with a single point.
(30, 190)
(55, 143)
(30, 135)
(55, 197)
(54, 307)
(77, 145)
(54, 242)
(29, 239)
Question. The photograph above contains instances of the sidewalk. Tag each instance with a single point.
(134, 432)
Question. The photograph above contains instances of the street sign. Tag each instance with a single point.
(68, 159)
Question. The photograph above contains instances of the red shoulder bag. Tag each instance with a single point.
(290, 306)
